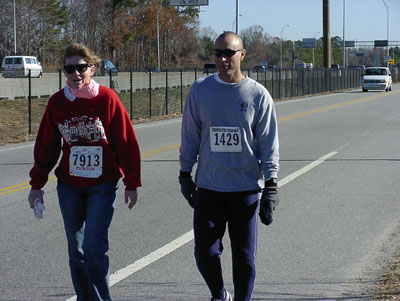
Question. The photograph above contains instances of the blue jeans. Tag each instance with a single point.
(212, 212)
(87, 214)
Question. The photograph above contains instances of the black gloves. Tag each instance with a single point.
(188, 188)
(268, 202)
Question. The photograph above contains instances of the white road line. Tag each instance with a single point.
(188, 236)
(152, 257)
(156, 123)
(7, 149)
(306, 168)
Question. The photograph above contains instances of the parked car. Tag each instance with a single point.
(209, 68)
(305, 65)
(19, 66)
(259, 68)
(335, 66)
(153, 69)
(104, 68)
(376, 78)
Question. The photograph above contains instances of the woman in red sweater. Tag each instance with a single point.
(89, 124)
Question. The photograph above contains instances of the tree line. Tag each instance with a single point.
(125, 31)
(134, 34)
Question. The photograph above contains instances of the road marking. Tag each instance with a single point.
(189, 236)
(304, 169)
(339, 105)
(22, 186)
(160, 150)
(17, 147)
(155, 123)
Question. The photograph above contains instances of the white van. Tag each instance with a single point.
(19, 66)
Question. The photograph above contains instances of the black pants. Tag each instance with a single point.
(212, 211)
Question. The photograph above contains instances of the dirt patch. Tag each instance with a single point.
(389, 287)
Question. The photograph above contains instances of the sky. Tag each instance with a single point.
(365, 20)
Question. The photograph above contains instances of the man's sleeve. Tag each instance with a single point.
(267, 139)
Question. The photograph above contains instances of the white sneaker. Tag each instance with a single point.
(227, 297)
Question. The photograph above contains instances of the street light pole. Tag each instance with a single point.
(281, 40)
(234, 21)
(158, 39)
(344, 43)
(387, 32)
(313, 50)
(237, 16)
(15, 33)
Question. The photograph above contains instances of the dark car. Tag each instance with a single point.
(209, 68)
(259, 68)
(153, 69)
(105, 66)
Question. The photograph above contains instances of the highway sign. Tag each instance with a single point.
(309, 43)
(348, 43)
(188, 2)
(381, 43)
(391, 61)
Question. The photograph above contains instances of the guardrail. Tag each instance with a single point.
(149, 94)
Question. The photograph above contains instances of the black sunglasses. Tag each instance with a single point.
(226, 52)
(80, 68)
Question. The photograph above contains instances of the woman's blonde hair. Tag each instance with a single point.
(79, 49)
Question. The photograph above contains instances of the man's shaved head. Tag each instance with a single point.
(232, 35)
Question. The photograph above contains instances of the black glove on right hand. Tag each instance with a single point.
(188, 188)
(268, 202)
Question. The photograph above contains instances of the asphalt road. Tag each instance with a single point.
(336, 226)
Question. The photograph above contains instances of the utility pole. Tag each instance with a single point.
(344, 41)
(327, 33)
(387, 31)
(237, 16)
(158, 39)
(15, 33)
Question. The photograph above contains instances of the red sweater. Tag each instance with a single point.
(97, 123)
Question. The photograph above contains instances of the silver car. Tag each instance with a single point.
(377, 78)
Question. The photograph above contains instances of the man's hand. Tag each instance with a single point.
(188, 188)
(269, 201)
(131, 197)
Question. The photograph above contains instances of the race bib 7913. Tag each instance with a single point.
(86, 161)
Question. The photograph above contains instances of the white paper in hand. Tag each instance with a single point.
(38, 208)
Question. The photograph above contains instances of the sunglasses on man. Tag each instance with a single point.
(225, 52)
(80, 68)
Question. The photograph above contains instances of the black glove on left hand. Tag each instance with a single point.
(188, 188)
(268, 202)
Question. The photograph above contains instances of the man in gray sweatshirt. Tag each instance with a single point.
(229, 129)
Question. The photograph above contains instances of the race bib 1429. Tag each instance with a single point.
(225, 139)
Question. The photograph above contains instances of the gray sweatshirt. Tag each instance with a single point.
(231, 129)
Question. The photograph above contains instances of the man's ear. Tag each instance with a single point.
(242, 54)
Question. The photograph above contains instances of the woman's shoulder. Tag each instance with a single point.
(106, 90)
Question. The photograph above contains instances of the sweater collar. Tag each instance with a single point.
(89, 91)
